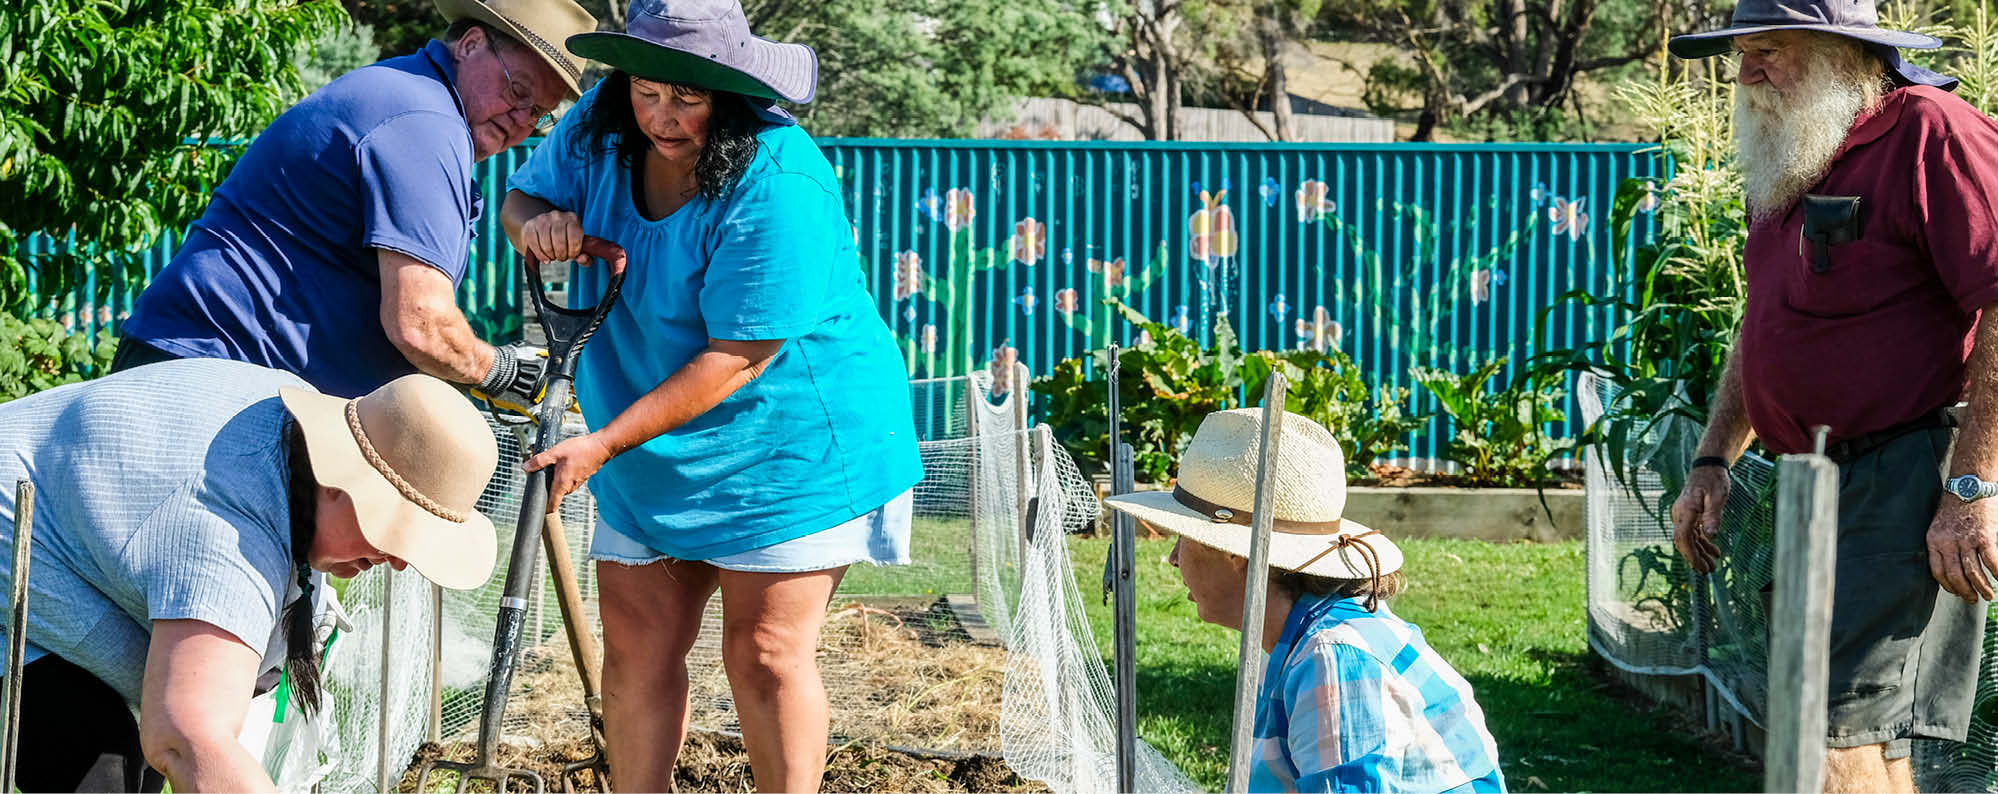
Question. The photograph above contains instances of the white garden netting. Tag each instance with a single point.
(978, 646)
(1650, 613)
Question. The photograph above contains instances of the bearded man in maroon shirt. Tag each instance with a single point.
(1872, 255)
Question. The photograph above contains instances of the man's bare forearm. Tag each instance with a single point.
(1728, 432)
(1977, 434)
(420, 315)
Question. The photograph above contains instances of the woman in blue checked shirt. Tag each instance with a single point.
(1353, 698)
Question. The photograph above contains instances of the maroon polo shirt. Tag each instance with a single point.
(1882, 336)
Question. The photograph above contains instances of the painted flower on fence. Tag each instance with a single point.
(1113, 271)
(1650, 201)
(1182, 319)
(1320, 333)
(1271, 191)
(1026, 301)
(1279, 308)
(908, 274)
(930, 205)
(1068, 256)
(1212, 227)
(929, 340)
(1065, 301)
(1482, 282)
(1313, 201)
(1569, 217)
(1003, 359)
(1539, 193)
(1144, 337)
(1030, 241)
(959, 208)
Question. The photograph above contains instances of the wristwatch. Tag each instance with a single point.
(1970, 488)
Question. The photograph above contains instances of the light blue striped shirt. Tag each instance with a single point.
(1357, 701)
(161, 493)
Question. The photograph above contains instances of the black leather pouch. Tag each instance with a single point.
(1830, 221)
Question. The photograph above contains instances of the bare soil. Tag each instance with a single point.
(717, 762)
(915, 701)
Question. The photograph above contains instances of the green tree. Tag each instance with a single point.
(931, 68)
(1509, 67)
(347, 47)
(97, 100)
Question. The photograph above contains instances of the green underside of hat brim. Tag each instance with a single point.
(636, 56)
(1717, 42)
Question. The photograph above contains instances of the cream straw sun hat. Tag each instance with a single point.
(540, 25)
(413, 456)
(1216, 492)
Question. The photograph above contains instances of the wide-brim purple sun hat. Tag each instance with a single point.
(1853, 19)
(704, 43)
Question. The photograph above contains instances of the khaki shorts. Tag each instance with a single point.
(1904, 653)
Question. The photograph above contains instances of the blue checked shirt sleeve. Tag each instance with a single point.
(1338, 727)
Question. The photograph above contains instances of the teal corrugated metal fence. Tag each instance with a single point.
(1401, 255)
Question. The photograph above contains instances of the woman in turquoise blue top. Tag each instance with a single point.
(749, 412)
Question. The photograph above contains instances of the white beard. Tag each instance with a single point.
(1787, 143)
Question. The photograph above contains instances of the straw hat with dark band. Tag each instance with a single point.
(540, 25)
(1214, 498)
(413, 456)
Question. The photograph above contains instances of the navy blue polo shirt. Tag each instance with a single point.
(281, 270)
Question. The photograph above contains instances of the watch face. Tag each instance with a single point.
(1965, 487)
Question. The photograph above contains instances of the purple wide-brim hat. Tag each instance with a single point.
(1853, 19)
(705, 43)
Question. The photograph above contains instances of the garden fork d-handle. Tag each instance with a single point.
(569, 329)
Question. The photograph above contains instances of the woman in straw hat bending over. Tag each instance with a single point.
(751, 428)
(186, 515)
(1353, 699)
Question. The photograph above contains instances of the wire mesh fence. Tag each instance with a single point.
(977, 646)
(1650, 613)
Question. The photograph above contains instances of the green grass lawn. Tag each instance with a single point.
(1507, 616)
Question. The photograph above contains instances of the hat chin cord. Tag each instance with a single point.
(1221, 514)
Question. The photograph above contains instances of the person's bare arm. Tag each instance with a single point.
(420, 313)
(1696, 515)
(712, 375)
(1962, 548)
(197, 688)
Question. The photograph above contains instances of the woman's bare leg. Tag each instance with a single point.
(652, 615)
(770, 640)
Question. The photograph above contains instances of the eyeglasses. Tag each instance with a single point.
(520, 98)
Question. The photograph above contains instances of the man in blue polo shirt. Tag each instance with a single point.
(335, 247)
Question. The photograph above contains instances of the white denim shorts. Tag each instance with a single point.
(880, 537)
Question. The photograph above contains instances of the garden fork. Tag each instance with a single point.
(567, 331)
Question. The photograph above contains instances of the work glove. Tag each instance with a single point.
(514, 381)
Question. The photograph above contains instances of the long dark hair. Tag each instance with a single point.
(608, 125)
(301, 656)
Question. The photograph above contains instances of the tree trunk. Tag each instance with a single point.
(1270, 30)
(1565, 52)
(1517, 37)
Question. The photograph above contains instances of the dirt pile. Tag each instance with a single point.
(717, 762)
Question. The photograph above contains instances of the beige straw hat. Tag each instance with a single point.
(541, 25)
(413, 456)
(1213, 501)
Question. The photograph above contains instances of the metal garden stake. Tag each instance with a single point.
(1249, 674)
(17, 630)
